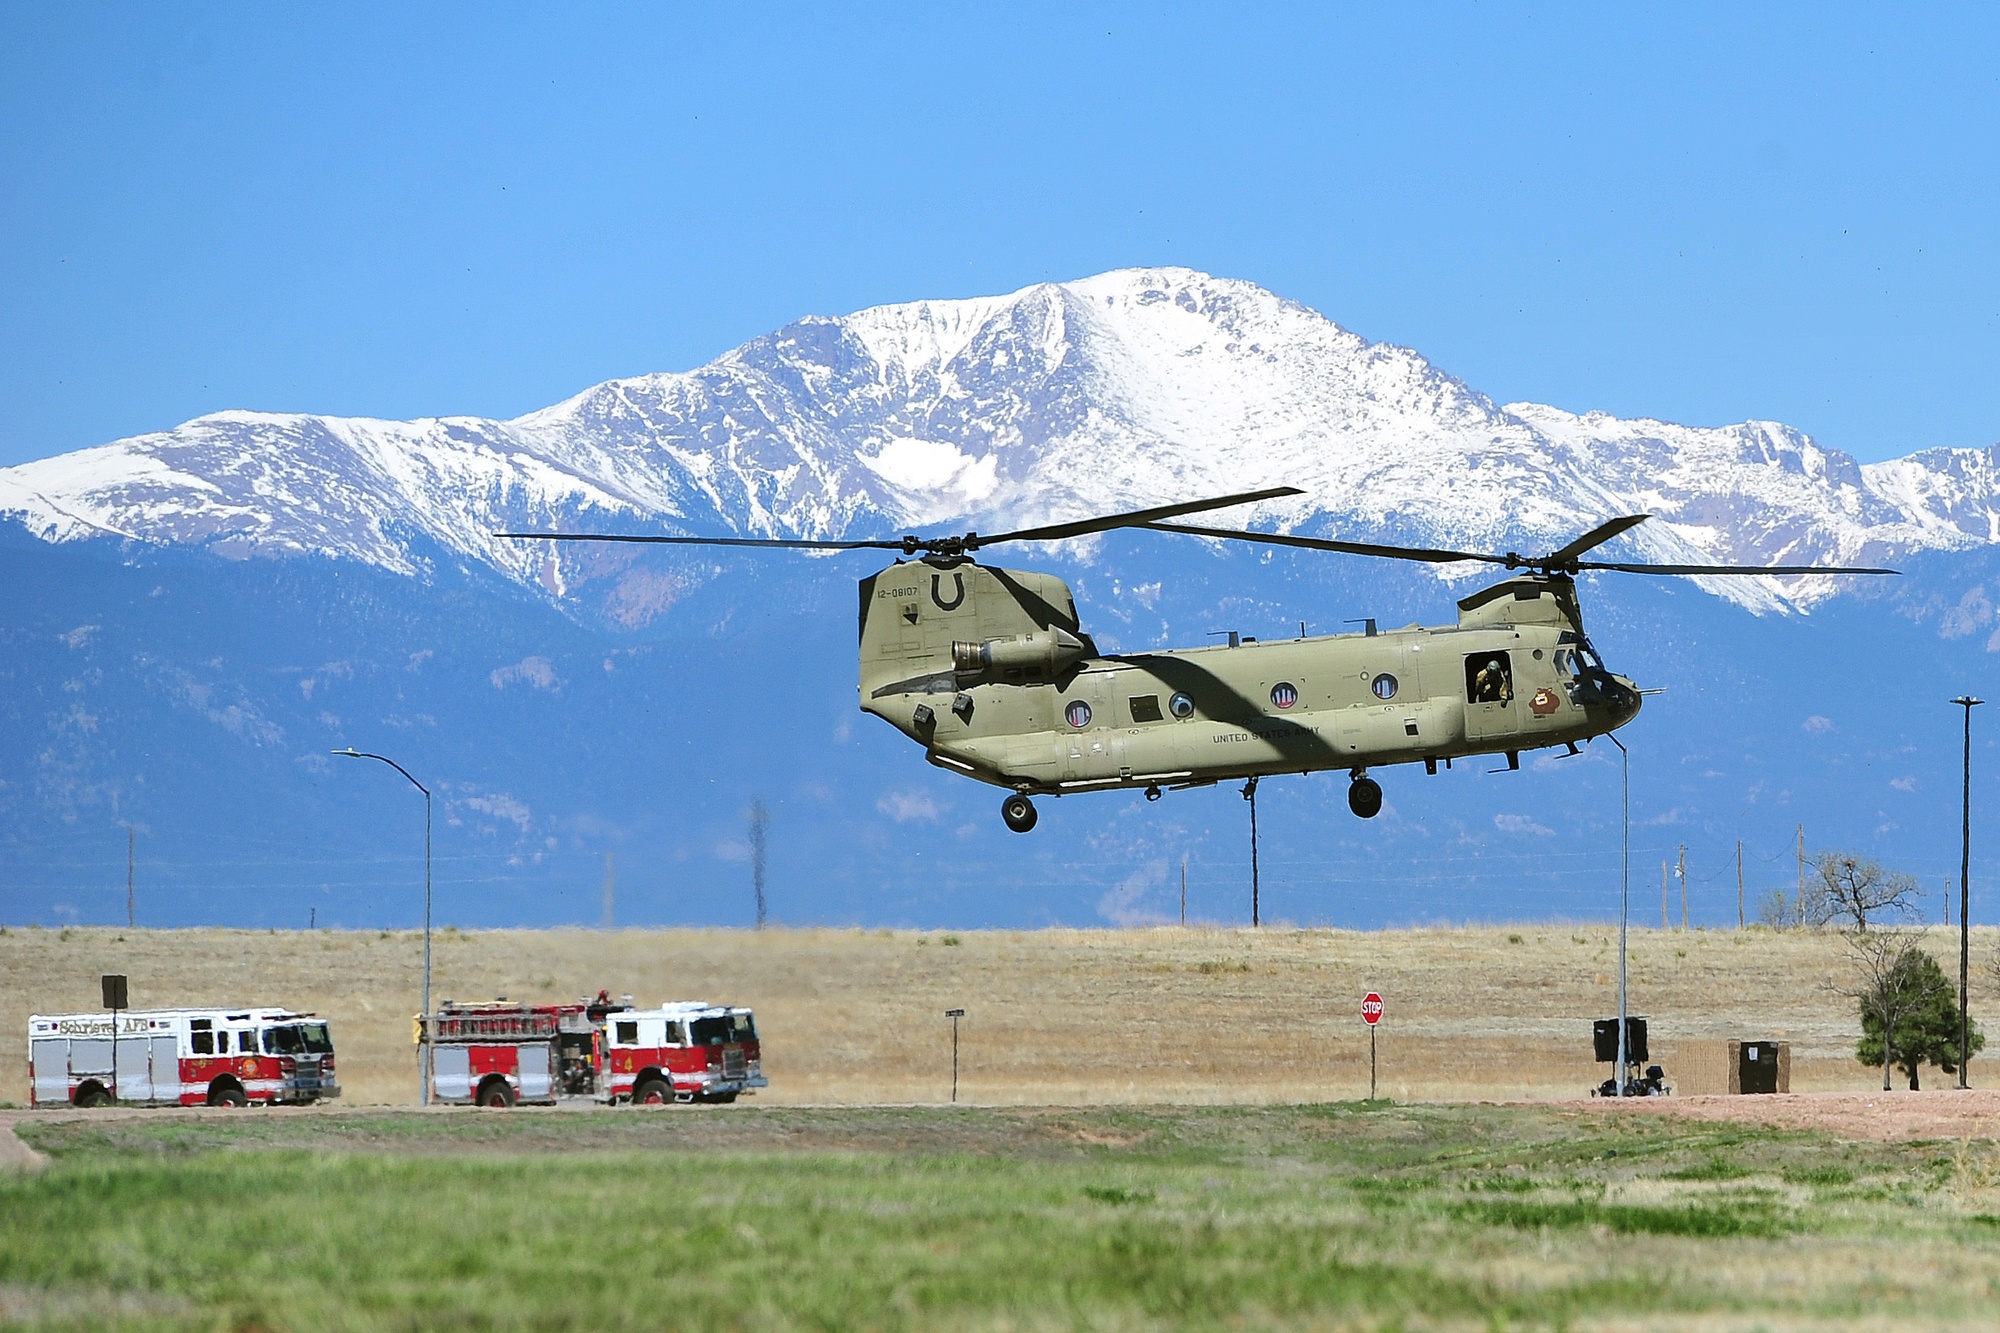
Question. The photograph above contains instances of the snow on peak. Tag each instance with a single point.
(1130, 388)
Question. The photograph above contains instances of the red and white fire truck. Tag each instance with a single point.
(501, 1053)
(180, 1057)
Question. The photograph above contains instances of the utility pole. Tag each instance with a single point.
(131, 845)
(1684, 886)
(1967, 702)
(1802, 876)
(610, 890)
(1183, 890)
(1663, 895)
(1739, 883)
(1250, 795)
(758, 818)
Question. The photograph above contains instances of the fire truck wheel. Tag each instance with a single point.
(227, 1094)
(495, 1092)
(653, 1092)
(92, 1094)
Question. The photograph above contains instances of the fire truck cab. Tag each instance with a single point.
(180, 1057)
(692, 1052)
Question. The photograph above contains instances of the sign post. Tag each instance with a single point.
(954, 1015)
(1371, 1014)
(114, 999)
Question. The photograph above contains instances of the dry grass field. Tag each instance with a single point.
(1054, 1016)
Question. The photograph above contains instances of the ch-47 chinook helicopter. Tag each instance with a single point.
(990, 671)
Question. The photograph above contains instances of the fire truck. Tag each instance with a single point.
(180, 1057)
(501, 1053)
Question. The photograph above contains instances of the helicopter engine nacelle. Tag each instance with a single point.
(1042, 653)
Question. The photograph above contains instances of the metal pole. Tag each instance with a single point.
(424, 1052)
(1624, 899)
(954, 1015)
(1371, 1062)
(429, 1049)
(131, 850)
(1967, 702)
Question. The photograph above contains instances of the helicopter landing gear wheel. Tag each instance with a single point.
(1364, 797)
(1019, 812)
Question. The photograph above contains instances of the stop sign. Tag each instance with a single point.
(1371, 1009)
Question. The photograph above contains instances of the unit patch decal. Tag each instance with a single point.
(1544, 702)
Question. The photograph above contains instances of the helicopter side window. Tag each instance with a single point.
(1587, 660)
(1145, 707)
(1489, 678)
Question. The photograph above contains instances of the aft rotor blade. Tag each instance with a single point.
(1729, 569)
(782, 543)
(1138, 518)
(1436, 557)
(1596, 537)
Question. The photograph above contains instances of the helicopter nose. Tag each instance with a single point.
(1625, 700)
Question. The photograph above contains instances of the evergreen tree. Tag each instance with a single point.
(1924, 1005)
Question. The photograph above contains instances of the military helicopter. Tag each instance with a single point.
(991, 672)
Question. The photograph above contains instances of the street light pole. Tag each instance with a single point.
(1966, 702)
(1624, 899)
(424, 1058)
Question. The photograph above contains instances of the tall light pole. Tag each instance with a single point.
(424, 1057)
(1624, 899)
(1966, 702)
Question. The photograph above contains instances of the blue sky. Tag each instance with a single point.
(1697, 214)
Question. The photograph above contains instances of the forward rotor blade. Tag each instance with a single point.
(1138, 518)
(1730, 569)
(704, 541)
(1436, 557)
(1596, 537)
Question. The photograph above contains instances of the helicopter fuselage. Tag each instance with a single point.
(1041, 712)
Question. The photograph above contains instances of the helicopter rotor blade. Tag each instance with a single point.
(1138, 518)
(773, 542)
(949, 546)
(1597, 536)
(1729, 569)
(1432, 556)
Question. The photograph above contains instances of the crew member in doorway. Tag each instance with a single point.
(1491, 685)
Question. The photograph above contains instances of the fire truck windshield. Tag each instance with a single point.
(721, 1031)
(297, 1039)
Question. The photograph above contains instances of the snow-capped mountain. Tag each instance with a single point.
(1127, 389)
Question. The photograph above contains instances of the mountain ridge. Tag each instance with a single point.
(1125, 389)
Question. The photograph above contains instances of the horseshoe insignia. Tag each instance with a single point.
(937, 592)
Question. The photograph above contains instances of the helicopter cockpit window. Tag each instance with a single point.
(1145, 707)
(1489, 678)
(1587, 660)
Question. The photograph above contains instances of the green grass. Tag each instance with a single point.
(1355, 1215)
